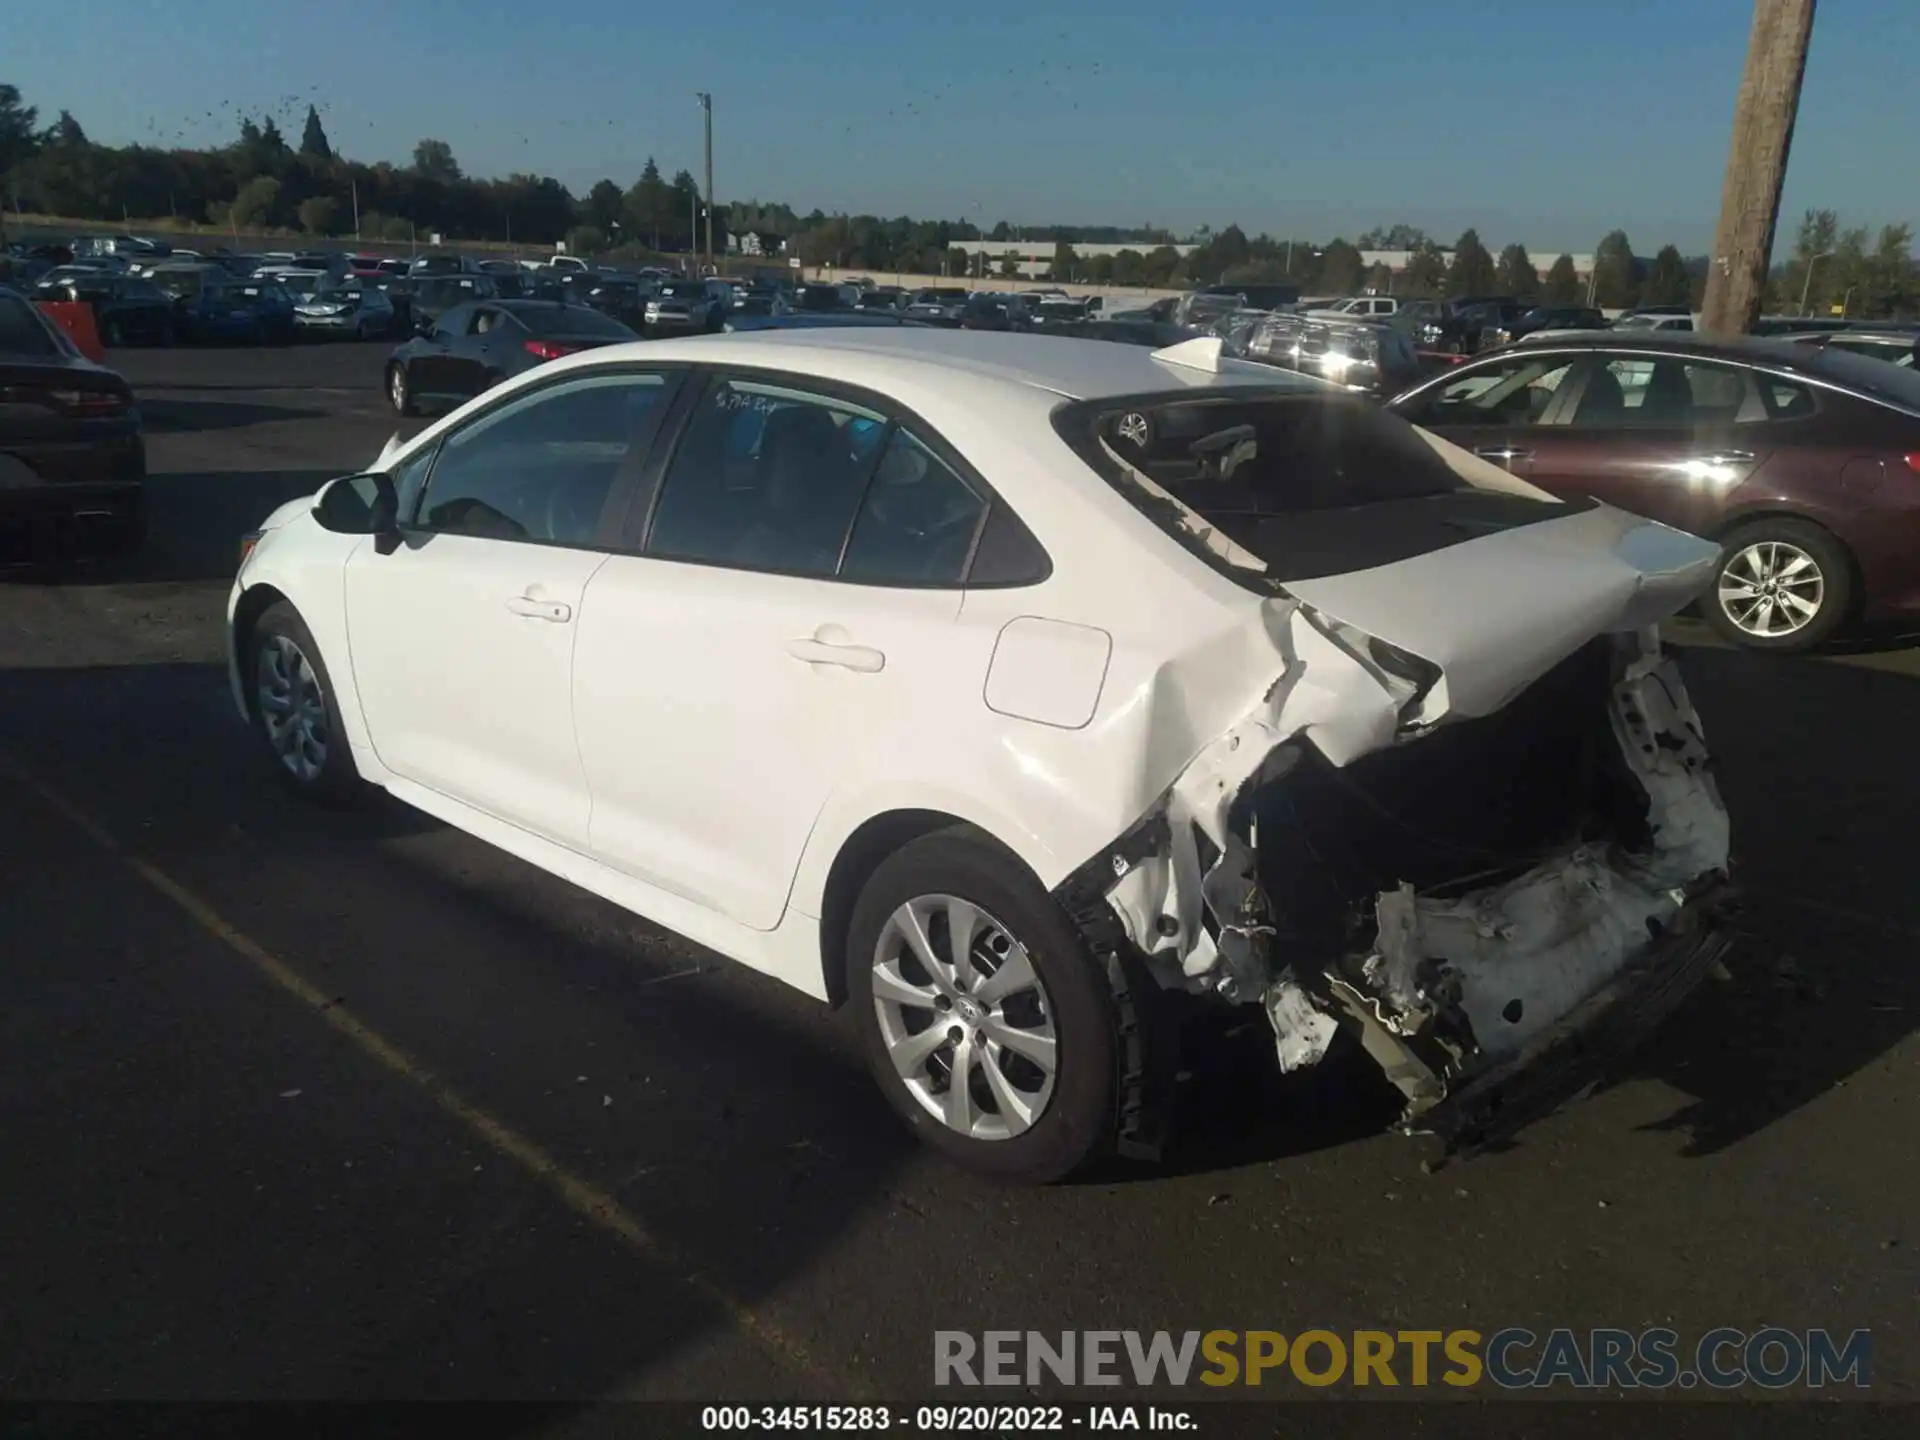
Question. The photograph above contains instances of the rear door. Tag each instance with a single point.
(1664, 436)
(789, 608)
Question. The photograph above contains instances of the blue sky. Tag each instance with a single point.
(1545, 121)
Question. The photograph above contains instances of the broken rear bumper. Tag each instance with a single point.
(1585, 1046)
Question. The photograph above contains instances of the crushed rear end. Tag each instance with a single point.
(1467, 815)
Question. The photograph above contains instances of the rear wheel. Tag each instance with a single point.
(294, 708)
(1783, 585)
(984, 1019)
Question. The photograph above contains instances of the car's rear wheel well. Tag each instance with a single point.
(253, 603)
(859, 857)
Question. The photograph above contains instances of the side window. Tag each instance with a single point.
(483, 321)
(1666, 393)
(917, 522)
(765, 478)
(1513, 392)
(540, 467)
(1784, 400)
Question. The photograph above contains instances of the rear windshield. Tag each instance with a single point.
(1896, 384)
(1260, 468)
(22, 332)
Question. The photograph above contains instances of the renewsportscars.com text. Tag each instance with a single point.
(1513, 1358)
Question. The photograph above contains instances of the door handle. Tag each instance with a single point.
(533, 609)
(1502, 452)
(849, 657)
(1729, 457)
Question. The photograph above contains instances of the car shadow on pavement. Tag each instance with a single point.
(1815, 761)
(733, 1122)
(186, 417)
(195, 520)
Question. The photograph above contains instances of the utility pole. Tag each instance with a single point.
(1763, 120)
(706, 110)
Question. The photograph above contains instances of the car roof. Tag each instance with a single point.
(877, 357)
(1767, 350)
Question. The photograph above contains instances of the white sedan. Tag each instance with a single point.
(1000, 685)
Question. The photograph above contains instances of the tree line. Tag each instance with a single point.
(262, 181)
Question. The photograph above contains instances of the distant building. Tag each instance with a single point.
(756, 242)
(1034, 258)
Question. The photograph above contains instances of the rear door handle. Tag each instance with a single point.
(1729, 457)
(532, 609)
(849, 657)
(1502, 452)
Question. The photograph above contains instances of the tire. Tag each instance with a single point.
(1053, 1126)
(302, 736)
(489, 380)
(110, 334)
(1775, 552)
(400, 391)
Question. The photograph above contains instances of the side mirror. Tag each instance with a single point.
(359, 505)
(423, 325)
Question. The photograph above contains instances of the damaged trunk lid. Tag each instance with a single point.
(1472, 821)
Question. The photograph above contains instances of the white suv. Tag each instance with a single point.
(1000, 685)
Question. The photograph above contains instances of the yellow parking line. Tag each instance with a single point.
(578, 1194)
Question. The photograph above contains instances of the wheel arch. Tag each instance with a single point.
(254, 602)
(859, 855)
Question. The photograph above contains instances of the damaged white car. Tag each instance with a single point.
(1001, 685)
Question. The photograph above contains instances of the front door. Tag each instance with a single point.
(1496, 408)
(790, 613)
(430, 367)
(462, 637)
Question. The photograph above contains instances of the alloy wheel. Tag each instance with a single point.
(397, 387)
(1771, 589)
(964, 1017)
(293, 708)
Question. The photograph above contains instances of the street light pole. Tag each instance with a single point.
(1806, 286)
(706, 110)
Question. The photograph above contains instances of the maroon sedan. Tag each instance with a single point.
(1804, 464)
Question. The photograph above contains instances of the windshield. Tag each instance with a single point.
(939, 297)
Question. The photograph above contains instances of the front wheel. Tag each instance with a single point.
(400, 391)
(294, 709)
(1783, 585)
(984, 1019)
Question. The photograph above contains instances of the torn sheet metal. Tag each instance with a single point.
(1453, 985)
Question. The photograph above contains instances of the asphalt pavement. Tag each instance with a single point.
(301, 1104)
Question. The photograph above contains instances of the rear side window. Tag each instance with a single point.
(916, 523)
